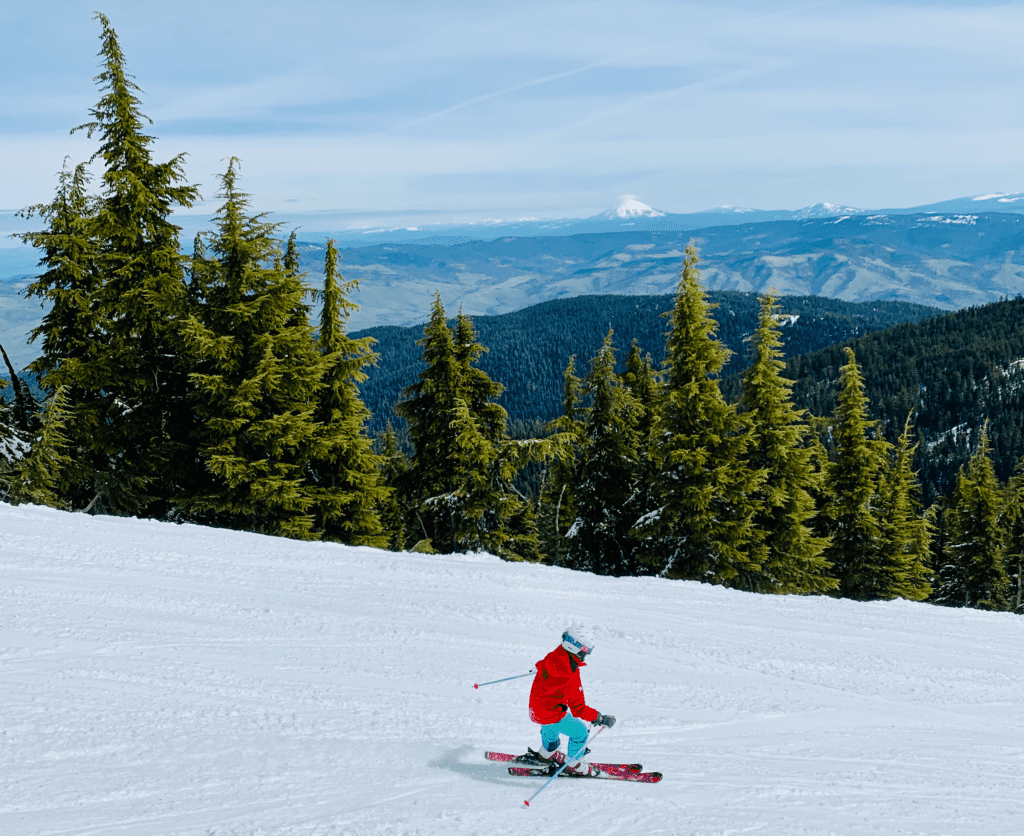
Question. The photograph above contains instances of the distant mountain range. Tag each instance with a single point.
(633, 215)
(943, 260)
(954, 255)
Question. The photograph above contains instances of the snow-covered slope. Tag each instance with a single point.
(162, 679)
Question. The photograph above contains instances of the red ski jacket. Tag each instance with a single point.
(557, 687)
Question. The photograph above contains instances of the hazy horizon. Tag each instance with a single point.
(462, 112)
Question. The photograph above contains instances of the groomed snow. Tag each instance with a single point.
(162, 679)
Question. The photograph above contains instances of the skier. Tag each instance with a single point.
(558, 705)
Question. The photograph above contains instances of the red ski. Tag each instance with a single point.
(609, 774)
(529, 761)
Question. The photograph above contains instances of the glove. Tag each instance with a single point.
(604, 720)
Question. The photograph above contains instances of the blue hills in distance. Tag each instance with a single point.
(630, 215)
(952, 254)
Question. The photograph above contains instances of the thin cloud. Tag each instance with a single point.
(537, 82)
(705, 84)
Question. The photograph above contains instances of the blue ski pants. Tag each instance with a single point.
(572, 727)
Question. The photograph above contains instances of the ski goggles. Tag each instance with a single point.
(582, 650)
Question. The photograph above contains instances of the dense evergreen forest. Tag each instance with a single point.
(528, 349)
(198, 389)
(953, 373)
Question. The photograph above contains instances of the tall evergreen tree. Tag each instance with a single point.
(558, 497)
(642, 381)
(393, 466)
(427, 408)
(460, 484)
(256, 380)
(644, 384)
(599, 539)
(71, 330)
(702, 528)
(1013, 554)
(291, 267)
(849, 517)
(792, 557)
(906, 532)
(116, 278)
(36, 475)
(343, 471)
(977, 577)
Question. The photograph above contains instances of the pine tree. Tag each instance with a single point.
(702, 528)
(792, 558)
(256, 380)
(14, 445)
(599, 539)
(558, 498)
(975, 539)
(71, 330)
(460, 484)
(1013, 556)
(116, 278)
(393, 466)
(427, 408)
(291, 267)
(906, 532)
(343, 471)
(850, 517)
(36, 476)
(643, 383)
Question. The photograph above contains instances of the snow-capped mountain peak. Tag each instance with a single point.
(826, 210)
(630, 207)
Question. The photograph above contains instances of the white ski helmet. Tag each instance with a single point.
(578, 640)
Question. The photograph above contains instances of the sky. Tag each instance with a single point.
(457, 111)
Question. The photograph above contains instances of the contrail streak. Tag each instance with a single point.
(494, 95)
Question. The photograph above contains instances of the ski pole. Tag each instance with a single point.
(530, 672)
(564, 765)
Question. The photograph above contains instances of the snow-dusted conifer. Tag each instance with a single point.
(393, 465)
(849, 516)
(641, 380)
(69, 330)
(13, 444)
(255, 381)
(702, 526)
(608, 466)
(1013, 550)
(558, 498)
(791, 556)
(644, 384)
(36, 476)
(906, 532)
(974, 543)
(343, 472)
(133, 419)
(427, 407)
(460, 484)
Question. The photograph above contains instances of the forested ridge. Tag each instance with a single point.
(953, 373)
(198, 389)
(528, 349)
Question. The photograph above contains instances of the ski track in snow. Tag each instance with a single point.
(163, 679)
